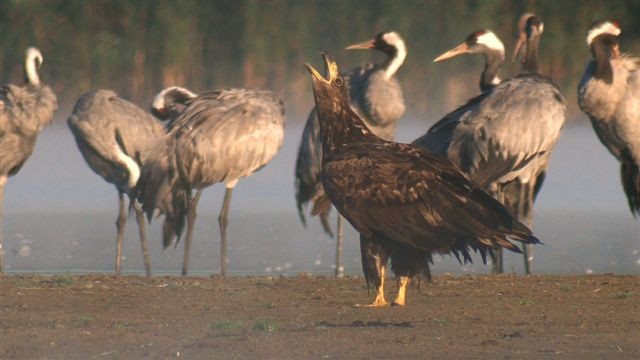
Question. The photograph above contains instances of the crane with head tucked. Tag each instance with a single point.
(24, 111)
(376, 96)
(609, 93)
(220, 137)
(503, 138)
(112, 134)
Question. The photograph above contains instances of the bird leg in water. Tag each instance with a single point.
(403, 281)
(120, 223)
(223, 221)
(143, 236)
(339, 246)
(191, 219)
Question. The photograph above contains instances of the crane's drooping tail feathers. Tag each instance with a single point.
(159, 189)
(630, 176)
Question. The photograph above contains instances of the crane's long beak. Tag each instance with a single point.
(522, 40)
(331, 69)
(456, 51)
(369, 44)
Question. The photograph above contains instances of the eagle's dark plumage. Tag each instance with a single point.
(405, 202)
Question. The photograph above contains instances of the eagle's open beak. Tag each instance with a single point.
(331, 68)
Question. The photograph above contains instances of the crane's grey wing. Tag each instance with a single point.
(160, 188)
(17, 137)
(229, 134)
(111, 134)
(629, 110)
(501, 134)
(439, 136)
(307, 175)
(614, 109)
(308, 164)
(23, 114)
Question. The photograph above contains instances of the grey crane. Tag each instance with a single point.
(112, 133)
(24, 111)
(376, 96)
(609, 93)
(486, 43)
(506, 134)
(221, 136)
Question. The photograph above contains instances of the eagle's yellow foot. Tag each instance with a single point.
(379, 301)
(403, 282)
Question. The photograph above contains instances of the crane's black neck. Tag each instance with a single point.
(395, 59)
(602, 49)
(339, 124)
(493, 61)
(530, 61)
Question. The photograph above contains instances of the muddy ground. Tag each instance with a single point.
(496, 317)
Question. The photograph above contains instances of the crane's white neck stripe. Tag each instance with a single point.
(398, 59)
(30, 68)
(604, 28)
(132, 167)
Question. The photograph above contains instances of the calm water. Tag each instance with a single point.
(59, 217)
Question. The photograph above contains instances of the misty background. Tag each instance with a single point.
(59, 216)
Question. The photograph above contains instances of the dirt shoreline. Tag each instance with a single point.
(308, 317)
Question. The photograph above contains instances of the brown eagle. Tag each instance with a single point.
(404, 201)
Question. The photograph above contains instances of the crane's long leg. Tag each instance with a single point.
(191, 219)
(497, 266)
(3, 180)
(120, 223)
(339, 247)
(223, 221)
(527, 219)
(143, 236)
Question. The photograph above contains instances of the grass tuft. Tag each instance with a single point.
(265, 325)
(83, 321)
(62, 280)
(622, 295)
(225, 325)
